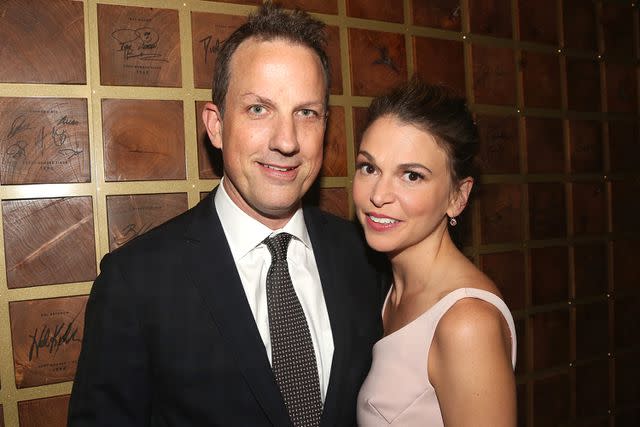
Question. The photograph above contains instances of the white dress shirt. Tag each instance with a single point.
(252, 259)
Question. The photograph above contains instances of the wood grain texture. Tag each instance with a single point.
(545, 147)
(441, 62)
(139, 46)
(42, 42)
(506, 269)
(589, 208)
(541, 80)
(444, 14)
(590, 270)
(378, 61)
(585, 146)
(626, 253)
(44, 141)
(49, 411)
(538, 21)
(335, 60)
(500, 213)
(550, 339)
(551, 401)
(592, 332)
(47, 336)
(132, 215)
(549, 275)
(494, 75)
(547, 212)
(621, 88)
(491, 17)
(617, 29)
(143, 140)
(319, 6)
(379, 10)
(592, 389)
(583, 84)
(48, 241)
(335, 201)
(335, 145)
(624, 145)
(579, 24)
(208, 32)
(499, 147)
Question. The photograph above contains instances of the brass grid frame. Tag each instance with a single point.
(99, 189)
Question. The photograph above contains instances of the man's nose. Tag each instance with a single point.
(285, 136)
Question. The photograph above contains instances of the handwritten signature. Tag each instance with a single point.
(129, 232)
(137, 43)
(53, 339)
(385, 59)
(208, 48)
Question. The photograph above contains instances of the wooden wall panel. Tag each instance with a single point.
(130, 216)
(143, 140)
(50, 412)
(139, 46)
(46, 140)
(42, 42)
(51, 241)
(46, 336)
(552, 84)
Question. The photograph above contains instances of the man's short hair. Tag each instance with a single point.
(271, 22)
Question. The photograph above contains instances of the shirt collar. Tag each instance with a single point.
(245, 233)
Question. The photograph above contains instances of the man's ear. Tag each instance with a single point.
(460, 197)
(213, 122)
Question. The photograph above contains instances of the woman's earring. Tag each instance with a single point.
(453, 221)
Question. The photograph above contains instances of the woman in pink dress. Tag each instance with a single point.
(448, 351)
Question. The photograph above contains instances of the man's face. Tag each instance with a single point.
(273, 128)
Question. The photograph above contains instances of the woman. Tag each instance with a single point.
(448, 353)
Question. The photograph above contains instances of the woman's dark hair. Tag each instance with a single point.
(271, 22)
(438, 111)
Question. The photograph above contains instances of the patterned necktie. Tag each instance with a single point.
(293, 359)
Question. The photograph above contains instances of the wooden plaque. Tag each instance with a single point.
(335, 145)
(499, 146)
(545, 146)
(359, 122)
(617, 27)
(541, 80)
(44, 140)
(49, 411)
(491, 17)
(579, 24)
(583, 84)
(46, 336)
(626, 316)
(42, 42)
(48, 241)
(551, 403)
(506, 269)
(591, 270)
(547, 218)
(586, 146)
(133, 215)
(500, 213)
(139, 46)
(624, 145)
(320, 6)
(592, 390)
(249, 2)
(538, 21)
(143, 140)
(208, 32)
(378, 61)
(621, 88)
(335, 60)
(443, 14)
(448, 69)
(549, 275)
(627, 374)
(625, 204)
(335, 201)
(494, 75)
(379, 10)
(589, 208)
(209, 157)
(551, 339)
(626, 253)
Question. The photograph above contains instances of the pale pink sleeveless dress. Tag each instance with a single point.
(397, 390)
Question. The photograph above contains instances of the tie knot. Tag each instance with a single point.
(278, 245)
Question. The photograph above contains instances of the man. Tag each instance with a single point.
(181, 324)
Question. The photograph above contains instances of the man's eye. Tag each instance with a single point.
(305, 112)
(257, 109)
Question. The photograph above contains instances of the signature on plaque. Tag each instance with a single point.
(50, 338)
(140, 43)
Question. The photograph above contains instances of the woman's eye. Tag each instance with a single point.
(366, 168)
(413, 176)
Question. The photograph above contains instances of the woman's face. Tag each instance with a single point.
(402, 186)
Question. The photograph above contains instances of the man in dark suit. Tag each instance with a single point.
(178, 324)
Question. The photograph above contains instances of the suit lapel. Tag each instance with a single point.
(210, 264)
(333, 287)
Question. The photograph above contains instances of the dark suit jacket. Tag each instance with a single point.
(170, 340)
